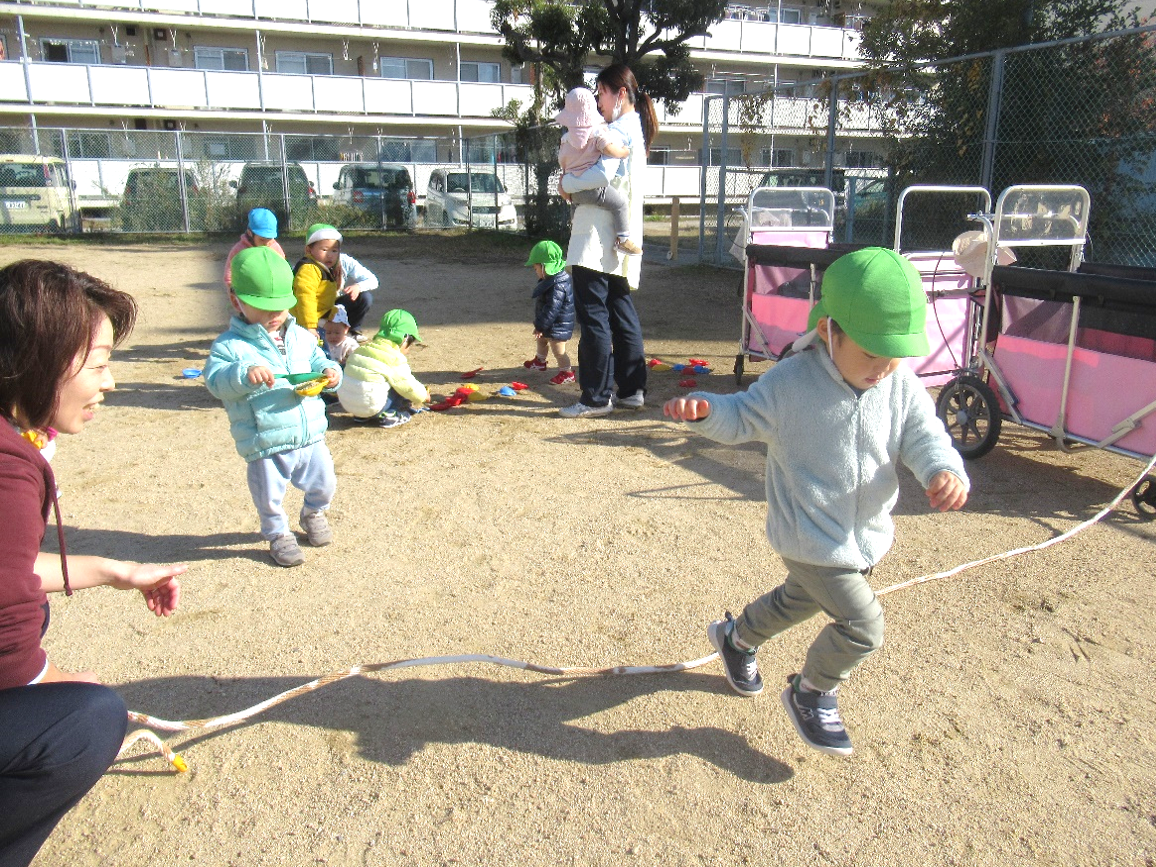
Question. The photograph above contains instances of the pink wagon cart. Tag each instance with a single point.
(1070, 353)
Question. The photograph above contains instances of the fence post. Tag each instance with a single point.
(720, 215)
(991, 128)
(832, 122)
(285, 183)
(675, 225)
(181, 181)
(704, 160)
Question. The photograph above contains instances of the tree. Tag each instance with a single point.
(1080, 112)
(649, 36)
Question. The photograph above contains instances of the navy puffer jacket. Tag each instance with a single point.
(554, 306)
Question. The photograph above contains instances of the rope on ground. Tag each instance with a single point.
(620, 670)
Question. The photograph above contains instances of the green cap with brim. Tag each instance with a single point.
(262, 279)
(876, 296)
(548, 255)
(397, 325)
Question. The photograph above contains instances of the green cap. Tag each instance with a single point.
(396, 325)
(548, 255)
(262, 279)
(876, 296)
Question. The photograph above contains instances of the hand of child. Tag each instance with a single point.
(946, 491)
(331, 377)
(537, 334)
(259, 374)
(686, 408)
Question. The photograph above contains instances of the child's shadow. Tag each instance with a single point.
(393, 720)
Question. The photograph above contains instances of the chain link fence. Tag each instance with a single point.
(1081, 111)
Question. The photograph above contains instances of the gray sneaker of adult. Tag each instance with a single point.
(581, 410)
(741, 669)
(635, 401)
(285, 551)
(316, 527)
(815, 716)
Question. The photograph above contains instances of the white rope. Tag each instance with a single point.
(242, 715)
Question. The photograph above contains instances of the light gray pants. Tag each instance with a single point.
(856, 630)
(309, 468)
(613, 201)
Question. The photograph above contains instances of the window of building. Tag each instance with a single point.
(470, 70)
(406, 67)
(89, 145)
(658, 156)
(779, 156)
(304, 63)
(785, 15)
(231, 59)
(862, 160)
(726, 84)
(70, 50)
(520, 74)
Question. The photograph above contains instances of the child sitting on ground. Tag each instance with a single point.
(280, 433)
(553, 310)
(339, 337)
(378, 387)
(837, 420)
(586, 140)
(326, 277)
(260, 232)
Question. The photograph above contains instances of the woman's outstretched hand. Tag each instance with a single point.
(157, 583)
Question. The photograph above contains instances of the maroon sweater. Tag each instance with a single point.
(26, 487)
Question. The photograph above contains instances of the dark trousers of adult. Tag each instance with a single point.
(357, 308)
(56, 741)
(610, 348)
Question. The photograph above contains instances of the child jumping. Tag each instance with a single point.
(378, 387)
(837, 419)
(326, 277)
(280, 433)
(261, 231)
(553, 310)
(586, 139)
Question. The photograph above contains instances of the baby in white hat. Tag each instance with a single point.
(339, 338)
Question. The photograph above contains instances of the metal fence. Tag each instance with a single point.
(1079, 111)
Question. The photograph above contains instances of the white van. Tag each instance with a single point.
(35, 194)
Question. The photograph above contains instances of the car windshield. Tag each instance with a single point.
(380, 179)
(24, 175)
(271, 174)
(459, 182)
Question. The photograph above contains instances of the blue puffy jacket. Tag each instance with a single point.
(266, 421)
(554, 306)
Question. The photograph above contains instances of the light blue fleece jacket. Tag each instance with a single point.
(266, 421)
(832, 454)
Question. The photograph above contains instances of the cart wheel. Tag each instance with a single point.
(740, 361)
(1144, 498)
(968, 409)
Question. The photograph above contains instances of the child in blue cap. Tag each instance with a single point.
(261, 231)
(837, 420)
(553, 310)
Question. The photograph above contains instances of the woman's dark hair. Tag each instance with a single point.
(49, 315)
(617, 76)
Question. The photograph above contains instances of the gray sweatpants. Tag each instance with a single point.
(856, 630)
(612, 200)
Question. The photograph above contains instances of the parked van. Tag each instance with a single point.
(35, 194)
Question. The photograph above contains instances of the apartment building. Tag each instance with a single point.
(334, 78)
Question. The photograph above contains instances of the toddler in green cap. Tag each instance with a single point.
(553, 310)
(279, 432)
(837, 420)
(379, 387)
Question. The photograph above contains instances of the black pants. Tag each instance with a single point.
(56, 741)
(610, 348)
(357, 309)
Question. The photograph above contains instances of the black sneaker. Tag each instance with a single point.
(816, 718)
(741, 669)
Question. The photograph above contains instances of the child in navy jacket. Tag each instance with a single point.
(553, 310)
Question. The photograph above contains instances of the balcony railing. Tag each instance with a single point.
(473, 16)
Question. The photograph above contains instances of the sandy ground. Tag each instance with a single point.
(1006, 722)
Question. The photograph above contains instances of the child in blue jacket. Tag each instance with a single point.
(837, 420)
(280, 433)
(553, 310)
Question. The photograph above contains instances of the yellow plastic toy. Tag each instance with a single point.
(311, 387)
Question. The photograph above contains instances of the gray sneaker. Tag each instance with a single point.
(316, 527)
(285, 551)
(581, 410)
(741, 669)
(815, 716)
(635, 401)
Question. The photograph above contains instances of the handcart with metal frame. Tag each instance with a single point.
(1071, 353)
